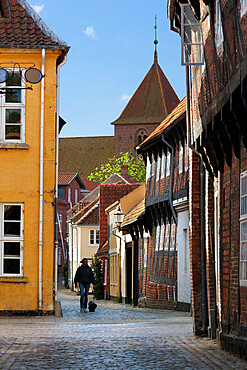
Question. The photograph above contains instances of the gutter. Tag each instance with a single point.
(41, 185)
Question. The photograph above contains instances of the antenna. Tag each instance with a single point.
(155, 39)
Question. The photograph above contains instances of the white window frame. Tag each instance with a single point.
(157, 237)
(18, 239)
(76, 196)
(163, 164)
(243, 225)
(69, 195)
(95, 233)
(219, 37)
(8, 105)
(181, 157)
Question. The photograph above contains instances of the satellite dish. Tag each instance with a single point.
(33, 75)
(4, 75)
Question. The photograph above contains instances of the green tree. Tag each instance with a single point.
(136, 168)
(98, 275)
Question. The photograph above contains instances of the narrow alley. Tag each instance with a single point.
(115, 336)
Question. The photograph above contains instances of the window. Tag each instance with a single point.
(243, 227)
(11, 239)
(76, 196)
(186, 158)
(152, 165)
(218, 25)
(163, 163)
(148, 169)
(12, 109)
(185, 251)
(243, 7)
(93, 237)
(191, 37)
(180, 161)
(145, 252)
(173, 236)
(69, 195)
(167, 237)
(162, 234)
(168, 163)
(158, 169)
(157, 239)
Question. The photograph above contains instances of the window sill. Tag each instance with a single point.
(93, 245)
(14, 146)
(16, 279)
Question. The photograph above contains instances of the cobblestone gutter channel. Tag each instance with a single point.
(113, 337)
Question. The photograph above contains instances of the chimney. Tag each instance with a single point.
(124, 171)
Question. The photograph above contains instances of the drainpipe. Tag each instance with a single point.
(56, 179)
(171, 178)
(41, 185)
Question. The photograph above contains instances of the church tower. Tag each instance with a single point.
(151, 103)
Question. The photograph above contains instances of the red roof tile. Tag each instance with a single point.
(66, 178)
(91, 217)
(153, 100)
(22, 27)
(90, 185)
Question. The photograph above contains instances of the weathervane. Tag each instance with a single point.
(155, 39)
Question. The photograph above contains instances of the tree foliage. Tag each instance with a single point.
(98, 275)
(136, 168)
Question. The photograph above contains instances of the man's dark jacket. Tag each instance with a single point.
(84, 274)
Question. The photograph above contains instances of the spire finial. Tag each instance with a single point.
(155, 40)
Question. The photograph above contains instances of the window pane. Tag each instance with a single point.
(15, 80)
(11, 249)
(12, 229)
(97, 236)
(13, 96)
(243, 271)
(11, 266)
(12, 212)
(91, 236)
(13, 116)
(12, 132)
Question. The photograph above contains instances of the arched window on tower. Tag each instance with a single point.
(140, 136)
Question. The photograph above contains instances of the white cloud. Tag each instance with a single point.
(89, 31)
(125, 97)
(38, 8)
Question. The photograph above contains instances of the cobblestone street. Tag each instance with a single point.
(113, 337)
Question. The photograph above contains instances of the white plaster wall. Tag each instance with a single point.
(184, 287)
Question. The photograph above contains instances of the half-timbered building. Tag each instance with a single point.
(214, 40)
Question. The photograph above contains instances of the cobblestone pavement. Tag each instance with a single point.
(113, 337)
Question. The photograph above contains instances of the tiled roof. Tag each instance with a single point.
(133, 215)
(66, 178)
(84, 207)
(153, 100)
(84, 154)
(91, 216)
(167, 124)
(90, 185)
(22, 27)
(108, 195)
(103, 251)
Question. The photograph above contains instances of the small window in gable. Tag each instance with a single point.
(69, 195)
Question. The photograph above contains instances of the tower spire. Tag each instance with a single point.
(155, 40)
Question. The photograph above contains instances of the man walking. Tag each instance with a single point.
(84, 276)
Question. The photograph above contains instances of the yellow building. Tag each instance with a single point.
(31, 56)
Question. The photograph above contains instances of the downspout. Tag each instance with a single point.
(56, 179)
(41, 185)
(171, 178)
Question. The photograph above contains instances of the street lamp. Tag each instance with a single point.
(118, 218)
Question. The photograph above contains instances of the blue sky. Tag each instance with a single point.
(111, 51)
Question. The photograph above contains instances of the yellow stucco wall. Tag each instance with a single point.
(19, 183)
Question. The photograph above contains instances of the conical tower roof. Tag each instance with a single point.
(153, 100)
